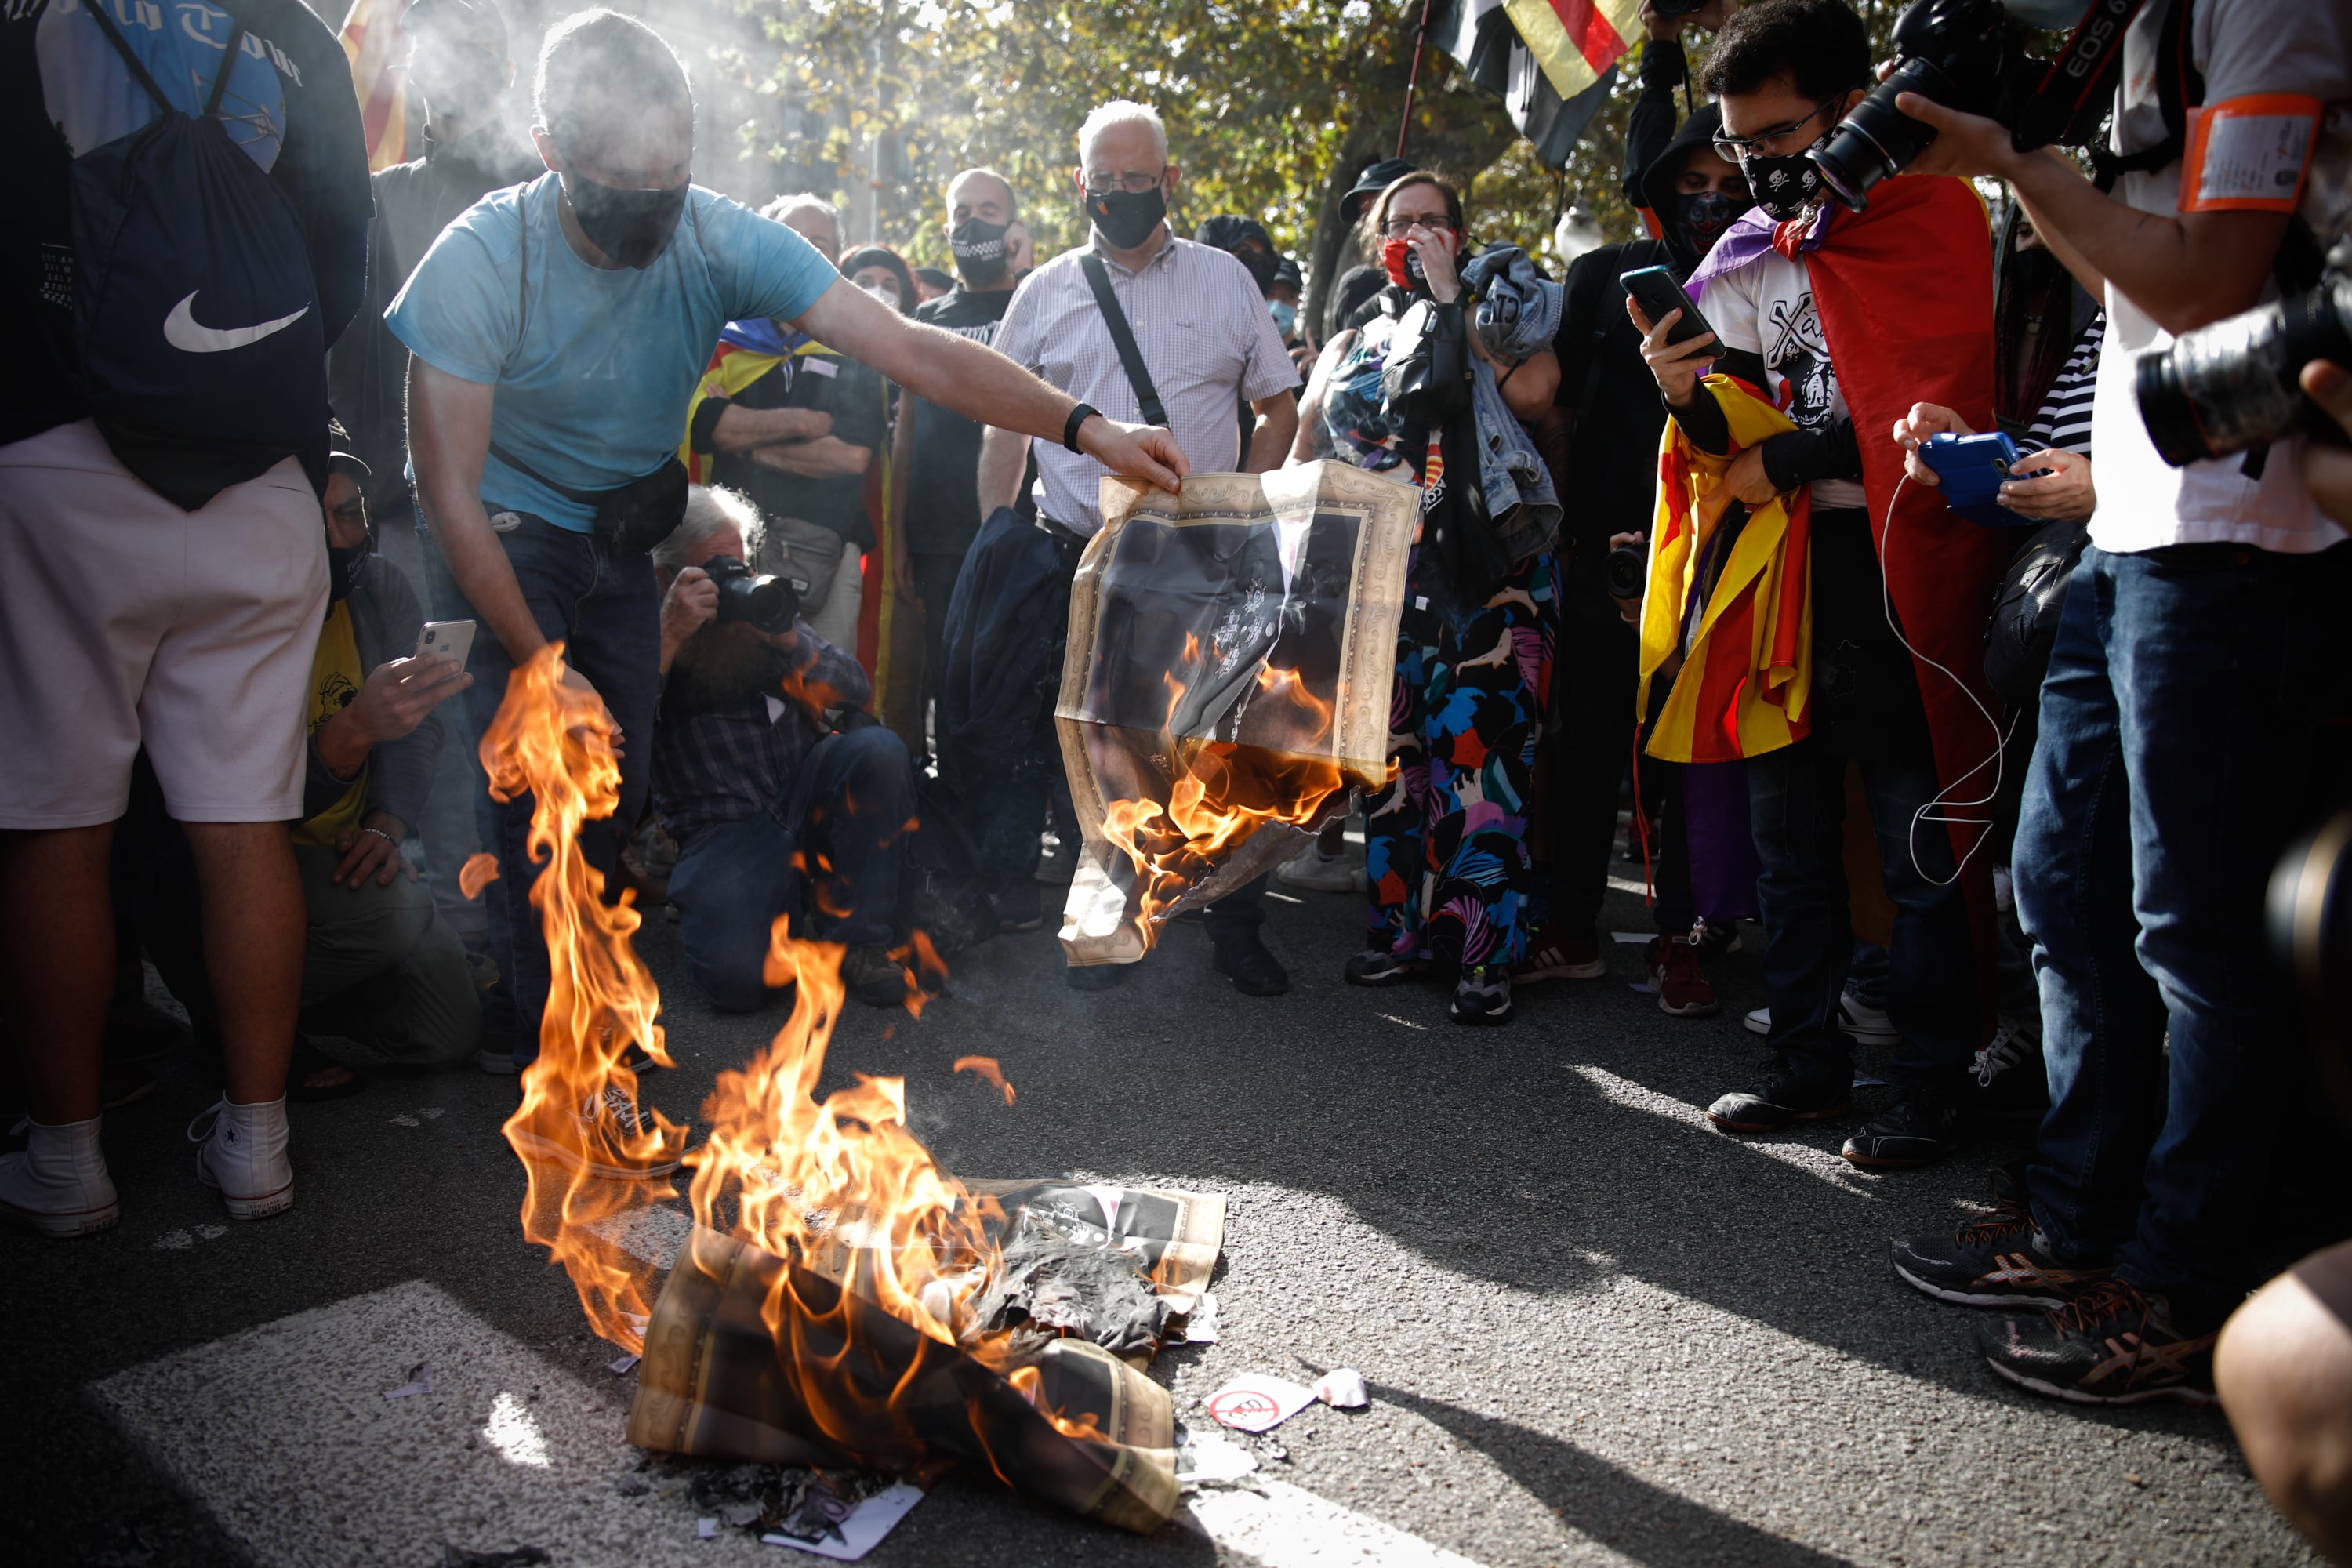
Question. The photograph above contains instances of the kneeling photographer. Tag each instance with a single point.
(2193, 673)
(775, 812)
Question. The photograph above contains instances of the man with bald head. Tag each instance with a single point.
(559, 330)
(938, 449)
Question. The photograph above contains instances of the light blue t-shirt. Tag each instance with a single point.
(594, 369)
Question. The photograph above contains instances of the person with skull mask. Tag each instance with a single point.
(559, 331)
(939, 447)
(1603, 441)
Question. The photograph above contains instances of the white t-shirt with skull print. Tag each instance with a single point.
(1767, 308)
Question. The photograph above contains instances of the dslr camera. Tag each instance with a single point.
(767, 602)
(1969, 55)
(2235, 383)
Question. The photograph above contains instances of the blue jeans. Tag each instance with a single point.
(1796, 801)
(843, 812)
(2178, 722)
(604, 610)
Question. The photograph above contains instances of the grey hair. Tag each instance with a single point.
(1122, 111)
(709, 508)
(782, 208)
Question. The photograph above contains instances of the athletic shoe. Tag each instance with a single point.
(1860, 1020)
(596, 1143)
(1683, 990)
(875, 978)
(1714, 941)
(1378, 966)
(497, 1060)
(2112, 1344)
(1916, 1129)
(58, 1183)
(1255, 972)
(1482, 994)
(1998, 1260)
(241, 1151)
(1308, 870)
(2009, 1080)
(1784, 1095)
(1554, 954)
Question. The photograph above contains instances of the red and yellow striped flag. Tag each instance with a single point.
(1745, 687)
(1575, 40)
(371, 40)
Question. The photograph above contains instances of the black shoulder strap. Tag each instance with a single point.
(97, 10)
(584, 497)
(220, 76)
(1146, 397)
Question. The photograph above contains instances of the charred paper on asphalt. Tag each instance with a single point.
(1225, 689)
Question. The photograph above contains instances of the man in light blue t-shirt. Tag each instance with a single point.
(558, 330)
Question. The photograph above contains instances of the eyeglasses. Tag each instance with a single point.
(1398, 227)
(1734, 148)
(1133, 184)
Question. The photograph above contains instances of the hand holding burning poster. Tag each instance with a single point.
(1231, 651)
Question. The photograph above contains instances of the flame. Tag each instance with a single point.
(1223, 793)
(987, 1069)
(480, 869)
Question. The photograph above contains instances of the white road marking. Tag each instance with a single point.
(1289, 1527)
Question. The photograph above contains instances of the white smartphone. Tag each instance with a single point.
(452, 640)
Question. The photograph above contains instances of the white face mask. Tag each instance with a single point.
(883, 292)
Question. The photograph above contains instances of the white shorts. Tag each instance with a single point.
(126, 622)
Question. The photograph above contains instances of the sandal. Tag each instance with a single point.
(309, 1062)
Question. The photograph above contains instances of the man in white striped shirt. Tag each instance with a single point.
(1203, 331)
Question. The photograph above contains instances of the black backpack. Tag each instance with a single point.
(195, 310)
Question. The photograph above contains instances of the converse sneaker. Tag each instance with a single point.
(1683, 990)
(596, 1143)
(1311, 872)
(1918, 1129)
(2112, 1343)
(1758, 1021)
(1783, 1094)
(1555, 955)
(1998, 1260)
(241, 1152)
(1482, 994)
(2010, 1081)
(58, 1184)
(1378, 966)
(1859, 1019)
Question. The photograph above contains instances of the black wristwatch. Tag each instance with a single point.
(1078, 416)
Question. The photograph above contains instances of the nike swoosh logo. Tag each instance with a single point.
(183, 332)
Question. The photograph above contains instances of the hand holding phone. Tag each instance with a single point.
(451, 640)
(1677, 344)
(1970, 470)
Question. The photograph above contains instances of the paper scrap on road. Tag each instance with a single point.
(621, 1367)
(706, 1529)
(862, 1528)
(1199, 1326)
(1342, 1388)
(1255, 1404)
(420, 1381)
(1206, 1460)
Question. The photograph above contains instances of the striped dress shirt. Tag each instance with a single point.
(1206, 336)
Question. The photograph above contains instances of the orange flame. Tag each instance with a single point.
(480, 869)
(987, 1069)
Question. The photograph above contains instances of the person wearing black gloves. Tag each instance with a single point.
(1609, 405)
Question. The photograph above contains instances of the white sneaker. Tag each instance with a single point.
(1307, 869)
(59, 1185)
(241, 1151)
(1863, 1022)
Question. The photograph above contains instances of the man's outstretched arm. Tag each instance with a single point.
(981, 384)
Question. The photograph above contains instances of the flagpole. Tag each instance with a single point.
(1419, 43)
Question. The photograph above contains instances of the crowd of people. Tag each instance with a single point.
(805, 520)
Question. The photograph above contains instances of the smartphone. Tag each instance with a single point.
(1656, 290)
(1969, 470)
(452, 640)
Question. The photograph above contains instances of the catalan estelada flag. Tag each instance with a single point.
(746, 352)
(372, 41)
(1745, 685)
(1576, 41)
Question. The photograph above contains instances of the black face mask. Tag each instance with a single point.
(343, 563)
(979, 248)
(1705, 216)
(633, 228)
(1785, 184)
(1126, 218)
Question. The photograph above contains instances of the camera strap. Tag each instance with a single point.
(2076, 88)
(1147, 396)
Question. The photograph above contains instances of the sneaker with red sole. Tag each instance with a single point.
(1553, 954)
(2112, 1343)
(1681, 987)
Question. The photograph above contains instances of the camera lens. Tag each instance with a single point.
(2232, 384)
(1627, 570)
(1876, 140)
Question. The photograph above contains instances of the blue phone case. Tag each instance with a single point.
(1971, 469)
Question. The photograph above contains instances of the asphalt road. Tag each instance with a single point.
(1594, 1330)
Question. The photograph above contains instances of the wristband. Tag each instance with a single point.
(1078, 416)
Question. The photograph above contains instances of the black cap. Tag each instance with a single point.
(340, 459)
(1227, 230)
(1286, 271)
(932, 277)
(1376, 178)
(475, 22)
